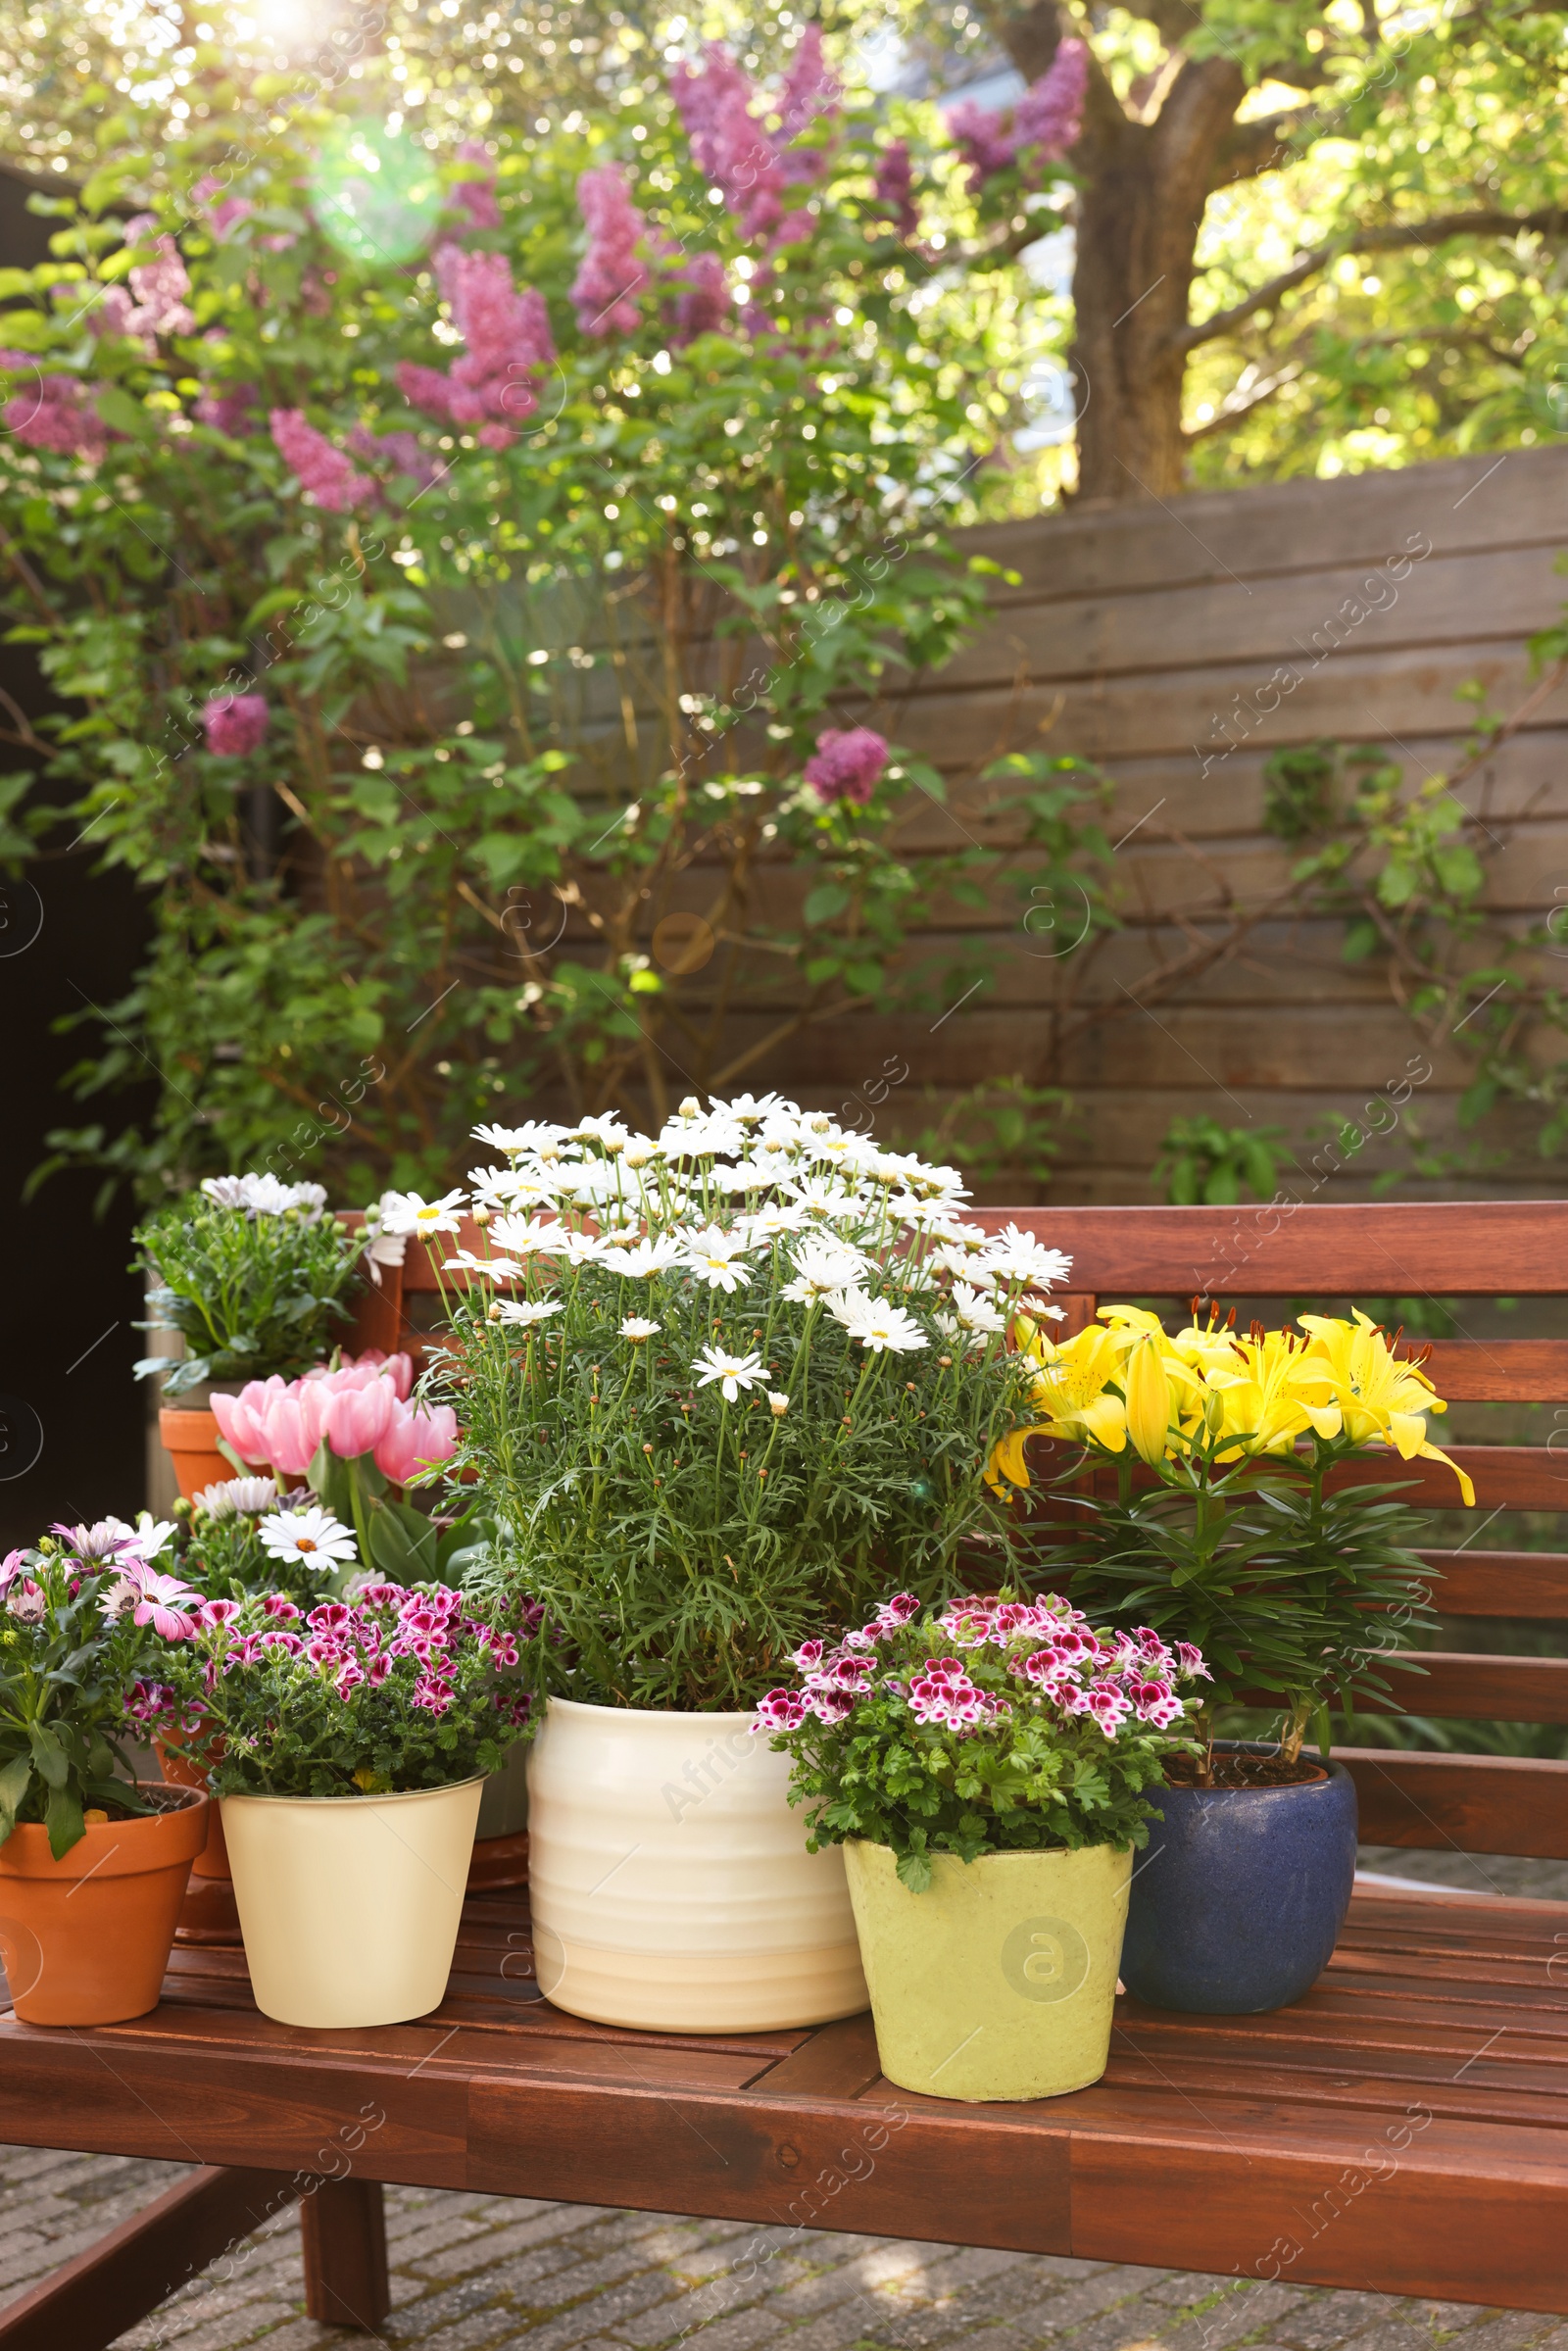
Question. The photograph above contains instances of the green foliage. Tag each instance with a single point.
(293, 1725)
(679, 1528)
(250, 1294)
(67, 1663)
(524, 713)
(1203, 1162)
(1003, 1126)
(872, 1760)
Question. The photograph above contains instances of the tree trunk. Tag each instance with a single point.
(1139, 213)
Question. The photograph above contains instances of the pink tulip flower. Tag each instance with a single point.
(399, 1369)
(356, 1419)
(240, 1417)
(289, 1432)
(417, 1439)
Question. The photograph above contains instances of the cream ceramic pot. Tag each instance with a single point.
(349, 1905)
(999, 1981)
(670, 1882)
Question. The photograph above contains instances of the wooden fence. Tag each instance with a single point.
(1178, 647)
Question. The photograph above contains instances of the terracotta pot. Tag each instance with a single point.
(190, 1439)
(182, 1771)
(86, 1940)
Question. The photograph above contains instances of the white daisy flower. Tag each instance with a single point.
(526, 1236)
(773, 1222)
(734, 1371)
(641, 1152)
(878, 1326)
(642, 1259)
(408, 1212)
(605, 1129)
(637, 1328)
(525, 1311)
(489, 1269)
(514, 1141)
(310, 1538)
(1018, 1257)
(974, 1269)
(975, 1312)
(748, 1107)
(821, 1269)
(719, 1258)
(702, 1139)
(778, 1404)
(582, 1249)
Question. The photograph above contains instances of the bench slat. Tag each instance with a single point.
(1440, 1249)
(1461, 1803)
(1499, 1583)
(1476, 1689)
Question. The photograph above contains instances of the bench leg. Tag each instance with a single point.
(91, 2301)
(343, 2228)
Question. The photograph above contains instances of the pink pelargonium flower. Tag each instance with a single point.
(502, 1647)
(323, 471)
(432, 1695)
(780, 1710)
(848, 763)
(280, 1608)
(235, 724)
(605, 288)
(902, 1609)
(809, 1656)
(415, 1440)
(1156, 1702)
(1190, 1662)
(212, 1613)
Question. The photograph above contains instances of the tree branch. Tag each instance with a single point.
(1252, 148)
(1367, 240)
(1224, 418)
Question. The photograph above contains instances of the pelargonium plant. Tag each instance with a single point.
(353, 1433)
(990, 1725)
(1226, 1509)
(718, 1384)
(397, 1688)
(252, 1273)
(80, 1613)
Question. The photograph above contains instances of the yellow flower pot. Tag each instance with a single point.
(349, 1905)
(998, 1981)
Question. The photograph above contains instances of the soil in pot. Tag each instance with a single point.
(1239, 1895)
(1000, 1980)
(86, 1940)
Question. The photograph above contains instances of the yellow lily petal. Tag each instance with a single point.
(1146, 1388)
(1431, 1452)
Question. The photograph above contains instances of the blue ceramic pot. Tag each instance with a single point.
(1239, 1896)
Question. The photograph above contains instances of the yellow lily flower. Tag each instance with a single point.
(1070, 1395)
(1146, 1388)
(1269, 1395)
(1380, 1400)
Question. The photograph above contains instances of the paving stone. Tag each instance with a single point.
(1393, 2334)
(496, 2244)
(1190, 2286)
(1329, 2318)
(1509, 2333)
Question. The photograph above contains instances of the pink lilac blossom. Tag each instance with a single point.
(702, 301)
(223, 213)
(728, 145)
(160, 287)
(229, 410)
(1043, 126)
(111, 313)
(401, 450)
(847, 764)
(475, 198)
(508, 340)
(895, 187)
(605, 288)
(56, 412)
(809, 87)
(323, 471)
(235, 724)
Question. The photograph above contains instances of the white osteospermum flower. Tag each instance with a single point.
(307, 1539)
(735, 1372)
(525, 1311)
(637, 1328)
(822, 1268)
(245, 1497)
(640, 1260)
(878, 1326)
(265, 1196)
(719, 1258)
(1017, 1256)
(408, 1212)
(152, 1535)
(975, 1312)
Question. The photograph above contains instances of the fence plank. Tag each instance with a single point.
(1461, 1803)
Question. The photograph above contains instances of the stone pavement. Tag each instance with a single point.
(496, 2274)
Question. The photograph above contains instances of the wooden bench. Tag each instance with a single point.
(1404, 2129)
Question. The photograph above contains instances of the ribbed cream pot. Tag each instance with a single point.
(1000, 1980)
(670, 1882)
(349, 1905)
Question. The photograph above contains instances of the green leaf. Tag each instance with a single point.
(49, 1755)
(121, 414)
(64, 1822)
(14, 1780)
(914, 1872)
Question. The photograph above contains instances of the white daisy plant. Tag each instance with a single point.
(717, 1382)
